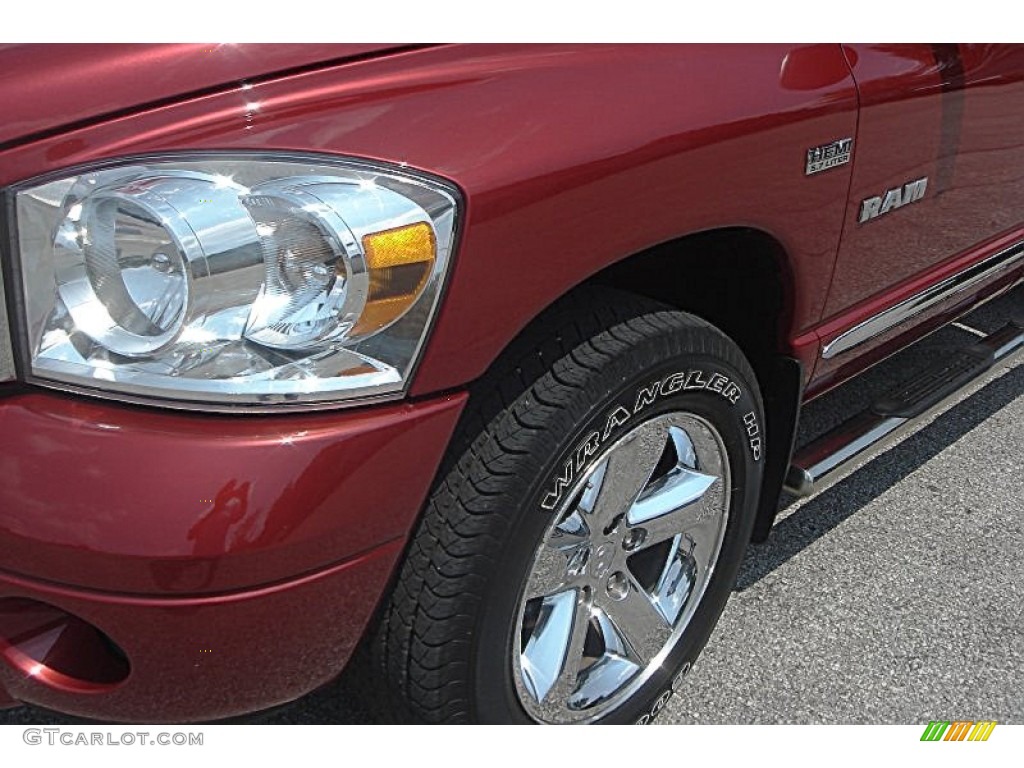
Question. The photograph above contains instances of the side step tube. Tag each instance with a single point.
(837, 453)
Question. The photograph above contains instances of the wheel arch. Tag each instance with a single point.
(739, 279)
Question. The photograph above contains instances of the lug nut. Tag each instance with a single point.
(617, 586)
(634, 539)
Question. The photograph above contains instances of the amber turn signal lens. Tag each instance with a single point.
(399, 262)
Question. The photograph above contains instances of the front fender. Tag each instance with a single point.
(571, 157)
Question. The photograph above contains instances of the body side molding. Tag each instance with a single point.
(900, 313)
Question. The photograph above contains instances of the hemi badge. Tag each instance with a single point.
(827, 156)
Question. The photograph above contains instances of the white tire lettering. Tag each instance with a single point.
(715, 382)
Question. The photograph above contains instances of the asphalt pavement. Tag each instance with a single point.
(896, 596)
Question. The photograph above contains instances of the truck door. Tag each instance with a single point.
(937, 185)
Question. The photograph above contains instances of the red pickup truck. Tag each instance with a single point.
(489, 358)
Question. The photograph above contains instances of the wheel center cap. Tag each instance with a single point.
(604, 556)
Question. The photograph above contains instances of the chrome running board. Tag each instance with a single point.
(837, 453)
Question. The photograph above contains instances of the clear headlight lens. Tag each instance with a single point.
(233, 279)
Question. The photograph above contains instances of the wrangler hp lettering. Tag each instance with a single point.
(680, 381)
(491, 360)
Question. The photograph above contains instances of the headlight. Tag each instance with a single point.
(232, 279)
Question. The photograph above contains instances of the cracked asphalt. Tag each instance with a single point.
(896, 596)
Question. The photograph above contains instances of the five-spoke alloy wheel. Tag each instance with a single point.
(587, 526)
(622, 568)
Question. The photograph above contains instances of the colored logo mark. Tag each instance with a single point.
(959, 730)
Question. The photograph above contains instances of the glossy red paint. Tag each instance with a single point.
(832, 373)
(186, 538)
(949, 113)
(47, 87)
(691, 138)
(203, 658)
(930, 111)
(898, 138)
(57, 649)
(129, 500)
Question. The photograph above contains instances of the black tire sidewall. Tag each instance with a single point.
(699, 383)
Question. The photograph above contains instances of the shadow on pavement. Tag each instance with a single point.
(827, 510)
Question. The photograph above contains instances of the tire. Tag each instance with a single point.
(469, 633)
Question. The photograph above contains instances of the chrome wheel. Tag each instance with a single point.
(622, 569)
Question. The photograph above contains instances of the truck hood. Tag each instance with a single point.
(48, 87)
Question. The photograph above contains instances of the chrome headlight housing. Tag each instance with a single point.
(232, 279)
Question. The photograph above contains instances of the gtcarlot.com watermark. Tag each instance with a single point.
(79, 738)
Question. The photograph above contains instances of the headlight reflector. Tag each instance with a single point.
(229, 279)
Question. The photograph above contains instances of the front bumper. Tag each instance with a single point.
(235, 562)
